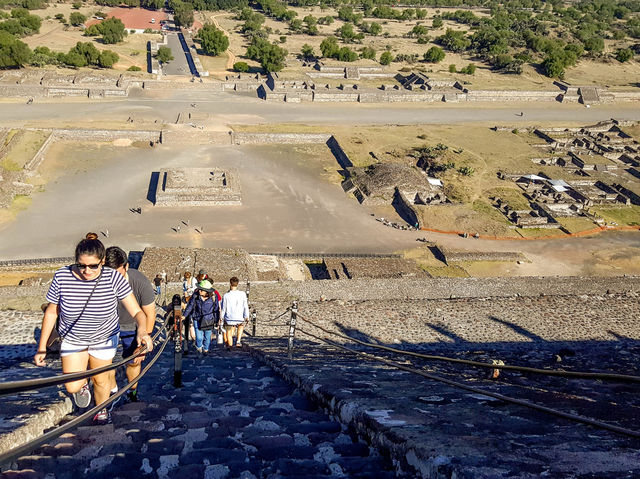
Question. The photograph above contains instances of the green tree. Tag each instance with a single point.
(347, 33)
(76, 18)
(470, 69)
(92, 31)
(270, 55)
(386, 58)
(212, 40)
(434, 55)
(368, 52)
(77, 5)
(73, 59)
(107, 58)
(329, 47)
(624, 55)
(553, 65)
(13, 52)
(594, 44)
(345, 54)
(437, 22)
(307, 52)
(88, 51)
(454, 40)
(112, 30)
(182, 13)
(164, 54)
(152, 4)
(241, 67)
(42, 56)
(375, 29)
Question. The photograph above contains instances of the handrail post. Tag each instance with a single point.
(292, 328)
(177, 329)
(254, 318)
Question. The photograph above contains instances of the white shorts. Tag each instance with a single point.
(104, 351)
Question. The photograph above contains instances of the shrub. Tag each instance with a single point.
(76, 18)
(77, 5)
(134, 68)
(452, 68)
(386, 58)
(470, 69)
(164, 54)
(624, 55)
(434, 55)
(212, 40)
(241, 67)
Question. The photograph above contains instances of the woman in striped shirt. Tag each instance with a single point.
(84, 296)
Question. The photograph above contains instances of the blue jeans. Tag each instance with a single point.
(158, 290)
(203, 338)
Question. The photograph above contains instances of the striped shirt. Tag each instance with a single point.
(99, 321)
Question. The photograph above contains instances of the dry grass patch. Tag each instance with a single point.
(540, 232)
(26, 147)
(576, 224)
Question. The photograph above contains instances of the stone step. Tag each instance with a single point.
(233, 418)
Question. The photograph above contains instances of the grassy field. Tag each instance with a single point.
(629, 215)
(577, 224)
(539, 232)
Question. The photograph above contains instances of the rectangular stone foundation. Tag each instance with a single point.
(198, 187)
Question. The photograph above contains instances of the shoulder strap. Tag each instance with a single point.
(85, 304)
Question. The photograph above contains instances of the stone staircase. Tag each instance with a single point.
(234, 418)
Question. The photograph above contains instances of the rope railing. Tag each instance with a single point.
(508, 399)
(547, 372)
(31, 384)
(17, 452)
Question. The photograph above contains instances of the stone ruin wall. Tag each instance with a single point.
(450, 256)
(484, 322)
(279, 138)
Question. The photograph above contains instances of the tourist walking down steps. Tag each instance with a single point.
(235, 312)
(84, 298)
(203, 309)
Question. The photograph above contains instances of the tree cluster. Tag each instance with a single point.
(81, 55)
(21, 23)
(270, 55)
(182, 13)
(212, 40)
(112, 30)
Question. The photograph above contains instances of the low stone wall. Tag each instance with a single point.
(279, 138)
(195, 137)
(107, 135)
(438, 288)
(497, 95)
(450, 256)
(34, 162)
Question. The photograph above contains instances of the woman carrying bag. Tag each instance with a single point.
(84, 297)
(204, 310)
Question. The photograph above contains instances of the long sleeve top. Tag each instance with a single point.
(235, 307)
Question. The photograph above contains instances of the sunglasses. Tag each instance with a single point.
(89, 266)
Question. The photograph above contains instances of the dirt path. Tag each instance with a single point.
(231, 58)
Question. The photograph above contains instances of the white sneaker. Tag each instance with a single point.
(83, 397)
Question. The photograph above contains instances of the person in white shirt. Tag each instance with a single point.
(234, 313)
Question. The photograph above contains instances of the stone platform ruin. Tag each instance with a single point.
(198, 187)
